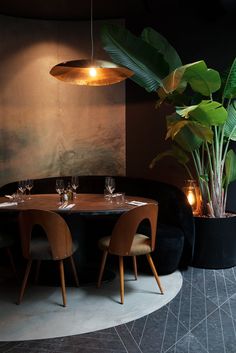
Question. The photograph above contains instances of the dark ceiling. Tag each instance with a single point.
(73, 9)
(112, 9)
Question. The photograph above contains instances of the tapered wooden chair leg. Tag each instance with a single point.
(154, 272)
(104, 258)
(121, 271)
(22, 291)
(72, 261)
(135, 267)
(37, 271)
(62, 277)
(9, 253)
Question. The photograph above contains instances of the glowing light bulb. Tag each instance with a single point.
(92, 72)
(191, 198)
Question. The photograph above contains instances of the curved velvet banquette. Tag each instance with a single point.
(175, 229)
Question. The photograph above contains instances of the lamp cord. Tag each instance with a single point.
(91, 30)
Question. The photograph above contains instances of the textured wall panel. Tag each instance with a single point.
(48, 127)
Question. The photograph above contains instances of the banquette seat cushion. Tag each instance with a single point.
(175, 229)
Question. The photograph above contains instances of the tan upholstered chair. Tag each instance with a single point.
(124, 241)
(56, 245)
(6, 241)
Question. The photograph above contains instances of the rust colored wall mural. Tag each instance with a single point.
(48, 127)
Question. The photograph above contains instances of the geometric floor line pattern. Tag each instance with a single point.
(200, 319)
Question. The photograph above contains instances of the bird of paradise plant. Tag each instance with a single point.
(204, 119)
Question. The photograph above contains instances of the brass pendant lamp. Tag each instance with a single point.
(90, 72)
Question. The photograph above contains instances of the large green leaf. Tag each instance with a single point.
(187, 140)
(147, 63)
(202, 132)
(187, 135)
(174, 129)
(201, 79)
(160, 43)
(174, 81)
(230, 125)
(230, 169)
(209, 113)
(230, 86)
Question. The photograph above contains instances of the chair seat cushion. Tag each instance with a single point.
(141, 245)
(40, 249)
(6, 239)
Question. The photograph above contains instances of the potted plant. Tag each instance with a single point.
(201, 127)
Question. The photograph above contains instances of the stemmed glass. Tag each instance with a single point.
(110, 185)
(29, 184)
(22, 188)
(60, 186)
(74, 184)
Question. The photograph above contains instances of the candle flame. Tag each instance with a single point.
(191, 198)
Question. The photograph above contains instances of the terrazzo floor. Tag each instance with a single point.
(200, 319)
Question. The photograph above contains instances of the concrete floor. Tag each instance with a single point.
(41, 315)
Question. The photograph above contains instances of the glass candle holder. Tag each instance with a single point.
(193, 195)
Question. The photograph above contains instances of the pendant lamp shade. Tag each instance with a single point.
(90, 73)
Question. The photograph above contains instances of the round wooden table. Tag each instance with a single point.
(91, 217)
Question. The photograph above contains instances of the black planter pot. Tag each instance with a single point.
(215, 243)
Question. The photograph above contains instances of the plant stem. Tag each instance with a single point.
(211, 191)
(188, 171)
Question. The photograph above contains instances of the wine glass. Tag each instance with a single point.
(110, 185)
(60, 186)
(29, 184)
(22, 188)
(74, 184)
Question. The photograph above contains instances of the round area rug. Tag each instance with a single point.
(88, 309)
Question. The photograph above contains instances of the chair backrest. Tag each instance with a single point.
(55, 228)
(126, 227)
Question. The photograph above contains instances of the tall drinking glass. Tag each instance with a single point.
(60, 187)
(22, 188)
(74, 184)
(29, 184)
(110, 185)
